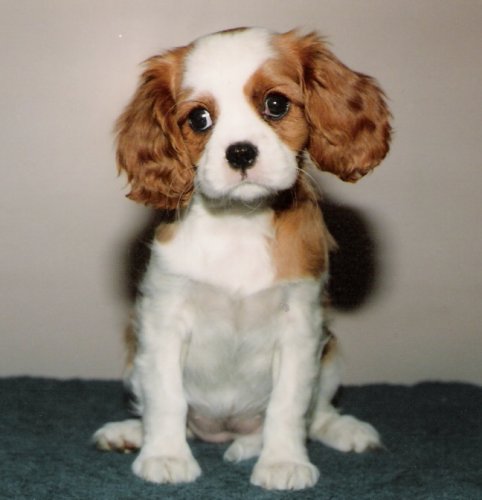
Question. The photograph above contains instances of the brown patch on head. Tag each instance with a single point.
(195, 141)
(301, 243)
(275, 76)
(150, 147)
(346, 111)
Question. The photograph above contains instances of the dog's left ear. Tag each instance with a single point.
(150, 147)
(345, 110)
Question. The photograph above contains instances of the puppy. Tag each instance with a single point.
(229, 326)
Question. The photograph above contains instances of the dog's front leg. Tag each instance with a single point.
(165, 456)
(284, 463)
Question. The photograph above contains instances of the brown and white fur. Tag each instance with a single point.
(229, 327)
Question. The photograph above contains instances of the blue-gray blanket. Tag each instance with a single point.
(432, 434)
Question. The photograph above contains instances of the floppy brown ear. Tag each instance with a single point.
(150, 148)
(346, 111)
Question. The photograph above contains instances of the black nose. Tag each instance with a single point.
(241, 155)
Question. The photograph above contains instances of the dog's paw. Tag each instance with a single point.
(284, 475)
(346, 433)
(243, 448)
(124, 436)
(160, 469)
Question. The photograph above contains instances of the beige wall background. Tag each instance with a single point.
(68, 67)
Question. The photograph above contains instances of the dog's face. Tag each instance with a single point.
(245, 118)
(232, 114)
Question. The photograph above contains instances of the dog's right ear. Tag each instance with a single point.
(346, 111)
(349, 118)
(150, 148)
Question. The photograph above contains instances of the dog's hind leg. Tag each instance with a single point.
(244, 447)
(342, 432)
(124, 436)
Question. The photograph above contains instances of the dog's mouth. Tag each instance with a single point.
(249, 190)
(242, 188)
(245, 195)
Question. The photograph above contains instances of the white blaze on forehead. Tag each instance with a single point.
(226, 60)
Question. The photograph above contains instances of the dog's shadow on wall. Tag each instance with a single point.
(354, 266)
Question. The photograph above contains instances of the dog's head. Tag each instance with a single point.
(232, 114)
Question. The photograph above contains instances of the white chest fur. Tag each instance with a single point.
(227, 250)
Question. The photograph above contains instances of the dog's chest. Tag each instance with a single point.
(224, 250)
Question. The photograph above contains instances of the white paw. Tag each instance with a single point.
(123, 436)
(284, 475)
(243, 448)
(160, 469)
(346, 433)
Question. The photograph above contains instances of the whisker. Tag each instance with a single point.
(179, 207)
(316, 192)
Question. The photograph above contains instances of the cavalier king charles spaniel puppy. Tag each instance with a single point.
(228, 341)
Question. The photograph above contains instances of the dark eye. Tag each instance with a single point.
(200, 120)
(275, 106)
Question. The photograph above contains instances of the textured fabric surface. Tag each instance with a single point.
(432, 434)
